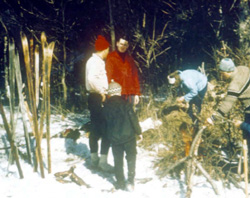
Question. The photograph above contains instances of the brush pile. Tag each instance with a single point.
(220, 147)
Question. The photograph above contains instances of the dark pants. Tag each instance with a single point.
(197, 101)
(129, 149)
(129, 98)
(97, 125)
(246, 134)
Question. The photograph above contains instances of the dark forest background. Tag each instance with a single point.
(165, 35)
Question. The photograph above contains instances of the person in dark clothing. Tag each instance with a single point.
(238, 90)
(122, 126)
(97, 85)
(242, 125)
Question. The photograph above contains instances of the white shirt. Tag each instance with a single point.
(96, 78)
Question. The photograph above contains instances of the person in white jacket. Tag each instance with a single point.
(97, 84)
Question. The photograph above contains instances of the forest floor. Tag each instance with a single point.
(67, 153)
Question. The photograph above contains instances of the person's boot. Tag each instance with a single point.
(120, 185)
(103, 165)
(130, 183)
(94, 160)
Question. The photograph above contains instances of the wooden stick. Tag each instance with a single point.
(245, 166)
(191, 165)
(239, 164)
(193, 149)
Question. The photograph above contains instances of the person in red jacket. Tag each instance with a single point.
(121, 67)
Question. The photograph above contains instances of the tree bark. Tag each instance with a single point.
(112, 28)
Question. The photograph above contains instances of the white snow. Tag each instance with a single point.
(65, 153)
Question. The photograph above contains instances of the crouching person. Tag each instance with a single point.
(122, 126)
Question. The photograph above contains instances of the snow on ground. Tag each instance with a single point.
(66, 153)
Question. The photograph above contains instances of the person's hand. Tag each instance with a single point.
(103, 97)
(210, 121)
(139, 138)
(136, 100)
(180, 99)
(237, 123)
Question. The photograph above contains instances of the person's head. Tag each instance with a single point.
(122, 43)
(226, 68)
(174, 79)
(102, 46)
(114, 89)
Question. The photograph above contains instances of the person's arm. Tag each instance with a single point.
(245, 126)
(227, 104)
(193, 90)
(135, 76)
(134, 120)
(223, 109)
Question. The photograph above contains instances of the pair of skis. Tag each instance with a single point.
(13, 79)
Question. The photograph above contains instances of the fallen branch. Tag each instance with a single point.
(193, 150)
(176, 164)
(198, 165)
(73, 177)
(191, 165)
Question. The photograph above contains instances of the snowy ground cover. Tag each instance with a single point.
(67, 153)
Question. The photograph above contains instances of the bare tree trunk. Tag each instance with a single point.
(64, 55)
(64, 74)
(244, 27)
(112, 28)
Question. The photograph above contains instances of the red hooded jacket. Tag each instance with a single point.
(123, 72)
